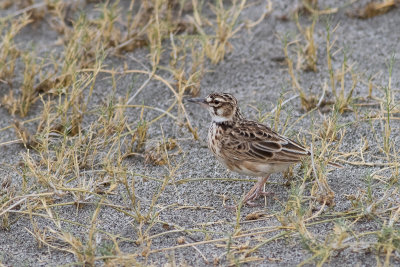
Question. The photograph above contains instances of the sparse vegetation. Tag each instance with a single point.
(77, 131)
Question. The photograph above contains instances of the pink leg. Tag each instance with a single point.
(256, 191)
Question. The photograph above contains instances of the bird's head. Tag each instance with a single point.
(222, 106)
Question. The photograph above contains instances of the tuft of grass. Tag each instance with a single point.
(9, 53)
(308, 102)
(309, 50)
(387, 106)
(372, 9)
(343, 99)
(225, 27)
(158, 154)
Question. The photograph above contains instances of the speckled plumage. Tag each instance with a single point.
(246, 146)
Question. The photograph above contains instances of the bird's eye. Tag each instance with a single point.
(216, 102)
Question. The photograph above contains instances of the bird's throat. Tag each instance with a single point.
(219, 119)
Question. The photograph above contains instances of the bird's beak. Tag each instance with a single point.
(200, 101)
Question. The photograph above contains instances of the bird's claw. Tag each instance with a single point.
(253, 195)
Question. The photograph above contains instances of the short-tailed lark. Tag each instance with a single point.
(246, 146)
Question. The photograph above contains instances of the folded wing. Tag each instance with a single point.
(251, 141)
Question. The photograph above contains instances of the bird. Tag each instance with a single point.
(246, 146)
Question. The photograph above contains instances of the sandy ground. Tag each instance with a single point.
(253, 75)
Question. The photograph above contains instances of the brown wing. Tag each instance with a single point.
(251, 141)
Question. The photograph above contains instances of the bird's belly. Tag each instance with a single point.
(255, 169)
(251, 168)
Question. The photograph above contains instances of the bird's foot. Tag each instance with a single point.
(249, 201)
(254, 193)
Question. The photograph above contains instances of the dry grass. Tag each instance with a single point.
(374, 8)
(77, 155)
